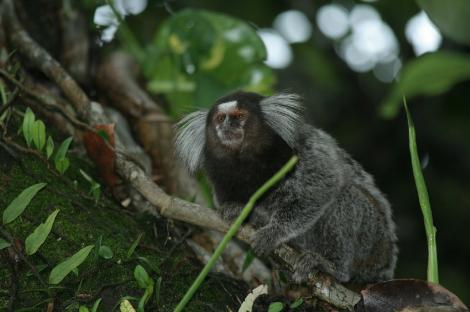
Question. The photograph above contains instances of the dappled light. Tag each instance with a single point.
(422, 34)
(278, 48)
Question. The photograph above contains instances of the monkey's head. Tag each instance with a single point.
(241, 121)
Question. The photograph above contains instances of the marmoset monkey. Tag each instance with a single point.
(327, 207)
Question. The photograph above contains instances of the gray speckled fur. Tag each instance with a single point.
(329, 209)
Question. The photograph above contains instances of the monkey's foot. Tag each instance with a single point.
(310, 262)
(265, 240)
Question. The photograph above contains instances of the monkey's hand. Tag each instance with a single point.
(311, 262)
(266, 239)
(230, 211)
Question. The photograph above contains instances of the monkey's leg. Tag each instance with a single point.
(310, 262)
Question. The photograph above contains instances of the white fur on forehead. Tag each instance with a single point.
(283, 113)
(190, 139)
(227, 106)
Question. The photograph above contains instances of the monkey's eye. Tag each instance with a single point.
(239, 115)
(220, 117)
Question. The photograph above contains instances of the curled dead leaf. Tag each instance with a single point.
(410, 295)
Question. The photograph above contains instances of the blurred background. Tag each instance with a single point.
(351, 61)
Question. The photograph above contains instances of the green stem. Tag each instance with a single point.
(423, 201)
(233, 230)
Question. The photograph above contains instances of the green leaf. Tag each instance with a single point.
(95, 191)
(62, 165)
(297, 303)
(199, 55)
(39, 134)
(63, 148)
(60, 271)
(276, 307)
(431, 74)
(96, 305)
(98, 247)
(141, 276)
(126, 306)
(4, 244)
(105, 252)
(146, 296)
(38, 237)
(134, 245)
(451, 16)
(49, 147)
(19, 204)
(83, 309)
(28, 124)
(423, 197)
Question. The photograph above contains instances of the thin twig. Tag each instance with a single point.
(48, 101)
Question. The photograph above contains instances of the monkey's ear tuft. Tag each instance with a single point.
(283, 113)
(190, 139)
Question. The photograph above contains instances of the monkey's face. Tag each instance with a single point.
(229, 121)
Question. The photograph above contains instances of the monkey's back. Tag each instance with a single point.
(352, 226)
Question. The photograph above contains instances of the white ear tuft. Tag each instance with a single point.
(283, 113)
(190, 139)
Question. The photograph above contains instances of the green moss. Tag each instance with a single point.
(80, 223)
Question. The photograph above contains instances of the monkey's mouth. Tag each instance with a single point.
(230, 138)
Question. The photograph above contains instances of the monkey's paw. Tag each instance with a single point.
(309, 263)
(265, 240)
(305, 266)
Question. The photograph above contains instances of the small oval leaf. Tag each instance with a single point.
(62, 150)
(141, 276)
(276, 307)
(60, 271)
(39, 134)
(62, 165)
(49, 147)
(83, 309)
(4, 244)
(105, 252)
(28, 123)
(38, 237)
(297, 303)
(126, 306)
(19, 204)
(418, 77)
